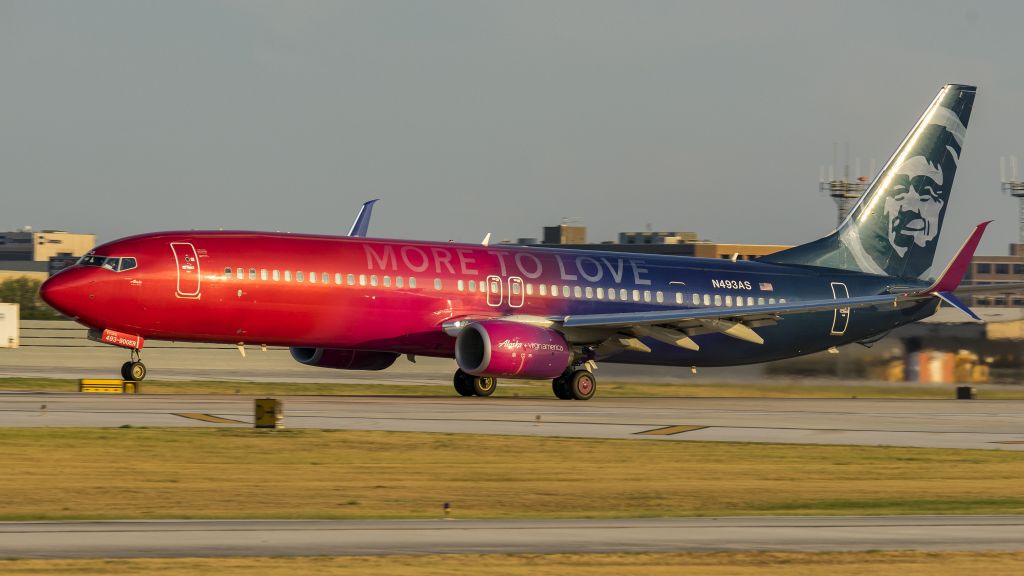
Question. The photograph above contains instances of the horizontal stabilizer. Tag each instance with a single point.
(951, 277)
(952, 300)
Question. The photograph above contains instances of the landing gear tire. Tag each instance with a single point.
(560, 386)
(484, 386)
(582, 385)
(463, 383)
(134, 371)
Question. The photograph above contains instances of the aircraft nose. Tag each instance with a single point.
(62, 293)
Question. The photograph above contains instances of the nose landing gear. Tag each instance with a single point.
(133, 370)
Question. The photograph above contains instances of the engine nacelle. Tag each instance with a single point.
(343, 359)
(511, 349)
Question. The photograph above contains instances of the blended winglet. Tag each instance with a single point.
(362, 222)
(951, 277)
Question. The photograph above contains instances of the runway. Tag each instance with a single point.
(190, 538)
(997, 425)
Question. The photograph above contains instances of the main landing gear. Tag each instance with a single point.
(575, 385)
(468, 385)
(133, 370)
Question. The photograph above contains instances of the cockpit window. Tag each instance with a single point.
(109, 262)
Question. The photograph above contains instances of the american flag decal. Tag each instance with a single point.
(766, 287)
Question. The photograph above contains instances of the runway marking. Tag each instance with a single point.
(209, 418)
(670, 430)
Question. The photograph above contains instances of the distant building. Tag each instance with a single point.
(996, 270)
(26, 245)
(657, 237)
(565, 234)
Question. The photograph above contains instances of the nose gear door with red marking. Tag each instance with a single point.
(187, 264)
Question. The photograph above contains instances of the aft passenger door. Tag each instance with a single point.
(841, 318)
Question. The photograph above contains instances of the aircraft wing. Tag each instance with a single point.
(738, 314)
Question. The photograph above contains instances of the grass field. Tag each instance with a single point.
(767, 389)
(696, 564)
(244, 473)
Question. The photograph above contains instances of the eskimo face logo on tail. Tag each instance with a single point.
(915, 206)
(901, 221)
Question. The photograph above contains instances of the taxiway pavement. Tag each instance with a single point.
(190, 538)
(974, 424)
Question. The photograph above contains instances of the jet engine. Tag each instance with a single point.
(511, 349)
(343, 359)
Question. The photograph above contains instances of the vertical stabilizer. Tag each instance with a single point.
(895, 227)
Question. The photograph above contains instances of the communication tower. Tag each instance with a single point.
(1014, 187)
(845, 191)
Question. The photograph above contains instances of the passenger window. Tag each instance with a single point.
(472, 285)
(679, 297)
(399, 282)
(351, 279)
(337, 278)
(543, 289)
(696, 299)
(240, 273)
(298, 276)
(412, 282)
(529, 289)
(263, 274)
(588, 292)
(659, 297)
(325, 278)
(227, 272)
(636, 295)
(252, 273)
(623, 295)
(760, 301)
(362, 279)
(554, 291)
(600, 293)
(565, 291)
(387, 281)
(739, 300)
(750, 300)
(437, 283)
(611, 293)
(771, 300)
(576, 292)
(373, 280)
(276, 275)
(460, 285)
(707, 300)
(728, 300)
(718, 299)
(647, 295)
(312, 277)
(517, 288)
(782, 300)
(287, 275)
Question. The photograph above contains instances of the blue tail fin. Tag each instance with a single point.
(895, 227)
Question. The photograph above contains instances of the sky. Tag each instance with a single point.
(469, 117)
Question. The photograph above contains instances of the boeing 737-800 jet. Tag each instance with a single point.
(352, 302)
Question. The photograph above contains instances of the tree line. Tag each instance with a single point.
(25, 291)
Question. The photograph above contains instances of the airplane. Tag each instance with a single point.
(358, 303)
